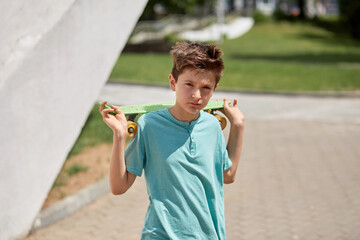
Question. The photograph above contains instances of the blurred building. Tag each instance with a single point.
(312, 7)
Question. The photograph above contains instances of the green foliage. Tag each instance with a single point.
(279, 15)
(76, 168)
(260, 17)
(172, 7)
(350, 16)
(172, 38)
(329, 23)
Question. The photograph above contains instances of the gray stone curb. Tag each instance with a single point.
(71, 204)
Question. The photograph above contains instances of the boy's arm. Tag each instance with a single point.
(235, 143)
(120, 179)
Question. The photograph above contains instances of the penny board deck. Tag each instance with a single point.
(145, 108)
(135, 111)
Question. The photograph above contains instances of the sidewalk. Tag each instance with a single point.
(298, 177)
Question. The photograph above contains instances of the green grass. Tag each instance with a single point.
(147, 68)
(272, 56)
(76, 168)
(95, 131)
(64, 174)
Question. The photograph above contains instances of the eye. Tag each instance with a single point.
(189, 84)
(207, 88)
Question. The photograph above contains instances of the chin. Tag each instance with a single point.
(194, 110)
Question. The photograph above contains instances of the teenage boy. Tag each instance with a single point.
(182, 151)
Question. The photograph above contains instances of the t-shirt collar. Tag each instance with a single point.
(184, 123)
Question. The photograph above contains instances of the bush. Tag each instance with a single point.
(280, 15)
(331, 24)
(172, 38)
(260, 17)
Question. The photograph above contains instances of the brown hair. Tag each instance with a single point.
(199, 56)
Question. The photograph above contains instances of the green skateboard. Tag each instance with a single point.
(133, 112)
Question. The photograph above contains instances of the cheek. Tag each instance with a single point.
(182, 94)
(186, 92)
(207, 94)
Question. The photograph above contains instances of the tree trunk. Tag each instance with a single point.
(301, 5)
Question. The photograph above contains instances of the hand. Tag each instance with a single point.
(118, 122)
(233, 113)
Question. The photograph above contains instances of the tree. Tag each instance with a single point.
(350, 16)
(302, 6)
(172, 7)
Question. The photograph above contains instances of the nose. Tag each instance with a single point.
(196, 94)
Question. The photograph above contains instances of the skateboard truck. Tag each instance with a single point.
(221, 119)
(132, 126)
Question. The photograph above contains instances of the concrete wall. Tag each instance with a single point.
(55, 57)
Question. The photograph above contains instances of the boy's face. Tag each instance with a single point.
(193, 91)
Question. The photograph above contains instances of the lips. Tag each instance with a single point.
(195, 104)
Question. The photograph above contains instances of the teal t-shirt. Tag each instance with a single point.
(183, 164)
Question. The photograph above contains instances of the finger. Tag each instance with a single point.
(119, 112)
(107, 111)
(226, 103)
(235, 103)
(120, 116)
(102, 105)
(116, 109)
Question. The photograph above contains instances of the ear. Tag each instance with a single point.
(172, 82)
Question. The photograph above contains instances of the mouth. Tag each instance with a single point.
(195, 104)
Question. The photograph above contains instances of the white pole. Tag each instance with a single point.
(220, 13)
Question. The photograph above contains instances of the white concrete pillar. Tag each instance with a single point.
(55, 57)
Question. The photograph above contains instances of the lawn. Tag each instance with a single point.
(271, 56)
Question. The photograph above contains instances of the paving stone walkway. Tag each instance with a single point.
(298, 179)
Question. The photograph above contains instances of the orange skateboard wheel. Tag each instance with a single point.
(222, 121)
(132, 129)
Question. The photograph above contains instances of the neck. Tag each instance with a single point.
(181, 115)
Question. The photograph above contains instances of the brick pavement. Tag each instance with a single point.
(297, 179)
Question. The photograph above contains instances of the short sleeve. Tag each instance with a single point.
(226, 162)
(135, 156)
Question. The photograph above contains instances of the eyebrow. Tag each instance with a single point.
(205, 84)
